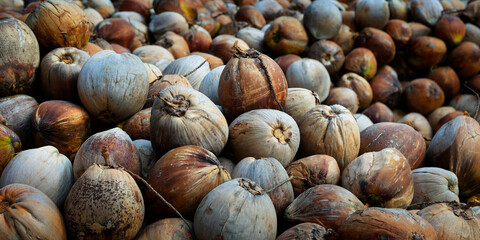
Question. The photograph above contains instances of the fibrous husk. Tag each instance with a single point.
(184, 116)
(58, 23)
(251, 80)
(104, 203)
(167, 229)
(238, 209)
(264, 133)
(326, 204)
(330, 130)
(310, 74)
(20, 57)
(312, 171)
(380, 179)
(194, 68)
(452, 221)
(394, 135)
(306, 231)
(455, 148)
(385, 223)
(190, 172)
(299, 101)
(433, 184)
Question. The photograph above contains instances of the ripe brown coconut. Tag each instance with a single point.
(423, 95)
(450, 29)
(425, 52)
(105, 203)
(286, 35)
(400, 31)
(386, 223)
(447, 79)
(360, 86)
(379, 42)
(59, 72)
(386, 87)
(190, 172)
(343, 96)
(379, 112)
(361, 61)
(313, 170)
(58, 23)
(394, 135)
(380, 179)
(455, 147)
(326, 204)
(61, 124)
(27, 213)
(329, 53)
(465, 59)
(251, 80)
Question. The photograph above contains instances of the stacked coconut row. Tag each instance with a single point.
(240, 119)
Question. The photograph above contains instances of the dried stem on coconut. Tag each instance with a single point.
(106, 156)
